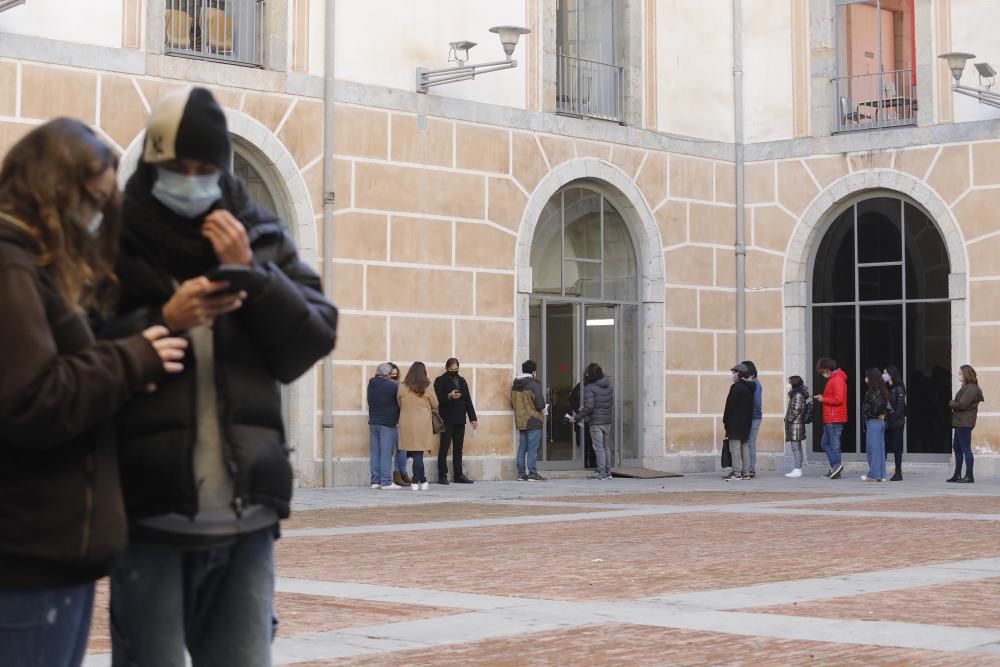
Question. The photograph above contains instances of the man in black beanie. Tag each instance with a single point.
(204, 459)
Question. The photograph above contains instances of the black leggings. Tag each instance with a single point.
(419, 476)
(894, 444)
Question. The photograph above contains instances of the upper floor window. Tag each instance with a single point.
(226, 30)
(876, 84)
(590, 82)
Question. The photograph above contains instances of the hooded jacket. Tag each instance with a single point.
(283, 328)
(738, 415)
(528, 402)
(835, 398)
(61, 513)
(598, 402)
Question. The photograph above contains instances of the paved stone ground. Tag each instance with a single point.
(682, 571)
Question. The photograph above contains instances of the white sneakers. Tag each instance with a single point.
(425, 486)
(415, 486)
(796, 472)
(376, 486)
(420, 487)
(392, 486)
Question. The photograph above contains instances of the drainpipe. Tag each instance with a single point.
(328, 205)
(741, 248)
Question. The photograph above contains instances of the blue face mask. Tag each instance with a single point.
(187, 196)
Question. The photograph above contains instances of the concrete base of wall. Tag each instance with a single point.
(354, 472)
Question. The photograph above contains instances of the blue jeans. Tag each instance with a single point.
(752, 444)
(527, 451)
(45, 628)
(875, 447)
(401, 461)
(381, 444)
(419, 475)
(963, 449)
(831, 443)
(216, 602)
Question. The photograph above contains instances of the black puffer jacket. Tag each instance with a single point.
(280, 333)
(598, 402)
(897, 416)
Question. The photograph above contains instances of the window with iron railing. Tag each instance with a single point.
(876, 86)
(226, 30)
(589, 83)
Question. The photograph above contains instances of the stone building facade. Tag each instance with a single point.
(443, 202)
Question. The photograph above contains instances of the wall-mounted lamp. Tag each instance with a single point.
(956, 63)
(9, 4)
(509, 36)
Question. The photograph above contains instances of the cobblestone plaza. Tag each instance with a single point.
(683, 571)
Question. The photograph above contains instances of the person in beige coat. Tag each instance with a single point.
(416, 433)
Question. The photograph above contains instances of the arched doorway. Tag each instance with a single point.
(880, 296)
(584, 307)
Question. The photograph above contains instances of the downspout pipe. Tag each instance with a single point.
(329, 47)
(741, 248)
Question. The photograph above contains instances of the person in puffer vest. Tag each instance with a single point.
(598, 405)
(529, 404)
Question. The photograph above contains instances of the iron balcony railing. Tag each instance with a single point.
(227, 30)
(868, 101)
(590, 89)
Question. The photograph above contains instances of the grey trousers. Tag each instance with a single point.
(601, 437)
(740, 451)
(797, 453)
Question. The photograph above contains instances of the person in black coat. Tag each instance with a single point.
(455, 403)
(738, 419)
(204, 461)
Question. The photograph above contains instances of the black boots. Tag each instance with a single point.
(898, 477)
(968, 479)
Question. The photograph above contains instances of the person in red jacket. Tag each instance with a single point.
(834, 402)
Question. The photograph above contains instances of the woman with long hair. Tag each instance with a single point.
(895, 422)
(61, 512)
(873, 411)
(964, 410)
(416, 432)
(598, 408)
(795, 427)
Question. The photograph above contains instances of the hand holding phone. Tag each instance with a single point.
(240, 278)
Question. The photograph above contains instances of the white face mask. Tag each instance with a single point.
(788, 387)
(187, 196)
(885, 378)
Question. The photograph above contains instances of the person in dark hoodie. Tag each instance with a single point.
(598, 407)
(61, 513)
(738, 418)
(964, 410)
(528, 401)
(204, 462)
(383, 422)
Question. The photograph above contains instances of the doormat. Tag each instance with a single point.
(643, 473)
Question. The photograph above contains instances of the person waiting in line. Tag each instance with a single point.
(383, 419)
(204, 461)
(528, 402)
(598, 409)
(581, 434)
(60, 498)
(895, 422)
(737, 419)
(400, 476)
(416, 430)
(455, 399)
(795, 425)
(873, 411)
(758, 415)
(834, 402)
(964, 410)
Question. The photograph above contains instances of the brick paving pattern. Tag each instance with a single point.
(691, 498)
(936, 504)
(426, 512)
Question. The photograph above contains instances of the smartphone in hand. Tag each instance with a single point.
(240, 278)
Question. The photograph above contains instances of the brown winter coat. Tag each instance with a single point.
(965, 407)
(415, 431)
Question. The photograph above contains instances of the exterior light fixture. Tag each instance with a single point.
(459, 54)
(9, 4)
(956, 62)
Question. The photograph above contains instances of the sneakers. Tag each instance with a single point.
(596, 475)
(376, 486)
(414, 486)
(796, 472)
(391, 486)
(522, 478)
(751, 475)
(535, 477)
(836, 472)
(736, 477)
(424, 486)
(730, 476)
(866, 478)
(607, 475)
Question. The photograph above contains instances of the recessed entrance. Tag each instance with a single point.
(880, 298)
(584, 308)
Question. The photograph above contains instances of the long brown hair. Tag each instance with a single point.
(42, 187)
(969, 374)
(416, 378)
(875, 383)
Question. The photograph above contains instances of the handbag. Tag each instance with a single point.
(437, 424)
(727, 456)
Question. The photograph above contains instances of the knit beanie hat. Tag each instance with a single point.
(187, 124)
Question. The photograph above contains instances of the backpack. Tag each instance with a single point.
(808, 413)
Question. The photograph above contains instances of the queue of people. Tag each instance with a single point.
(141, 415)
